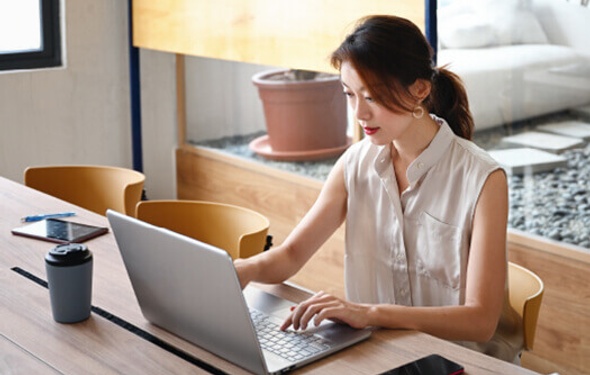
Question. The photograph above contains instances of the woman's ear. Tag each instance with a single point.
(420, 89)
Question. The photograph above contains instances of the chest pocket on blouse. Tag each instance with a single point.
(438, 251)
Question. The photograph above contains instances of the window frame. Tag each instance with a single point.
(50, 53)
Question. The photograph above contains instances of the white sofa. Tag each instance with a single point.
(518, 58)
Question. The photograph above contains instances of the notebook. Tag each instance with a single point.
(191, 289)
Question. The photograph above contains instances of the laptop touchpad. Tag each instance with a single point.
(266, 302)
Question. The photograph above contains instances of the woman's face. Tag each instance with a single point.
(381, 125)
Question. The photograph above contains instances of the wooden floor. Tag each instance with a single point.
(562, 343)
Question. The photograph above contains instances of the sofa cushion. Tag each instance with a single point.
(478, 24)
(467, 32)
(518, 27)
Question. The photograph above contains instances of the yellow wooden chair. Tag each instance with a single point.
(240, 231)
(526, 293)
(93, 187)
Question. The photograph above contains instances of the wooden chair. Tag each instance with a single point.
(93, 187)
(526, 292)
(240, 231)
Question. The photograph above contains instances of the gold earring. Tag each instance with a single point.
(418, 112)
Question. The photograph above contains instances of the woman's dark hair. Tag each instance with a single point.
(390, 53)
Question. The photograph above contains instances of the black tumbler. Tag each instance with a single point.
(69, 275)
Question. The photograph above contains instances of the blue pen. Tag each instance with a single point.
(29, 219)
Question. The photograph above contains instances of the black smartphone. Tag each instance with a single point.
(433, 364)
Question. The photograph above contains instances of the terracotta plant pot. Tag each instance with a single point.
(305, 114)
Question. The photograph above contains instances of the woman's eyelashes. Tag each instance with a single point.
(349, 94)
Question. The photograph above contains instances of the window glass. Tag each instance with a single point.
(29, 34)
(526, 69)
(20, 26)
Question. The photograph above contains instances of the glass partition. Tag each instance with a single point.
(226, 111)
(526, 67)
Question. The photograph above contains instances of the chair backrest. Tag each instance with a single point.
(526, 293)
(94, 187)
(238, 230)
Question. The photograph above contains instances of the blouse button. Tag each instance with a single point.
(420, 165)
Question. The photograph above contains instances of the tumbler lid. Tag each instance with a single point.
(69, 254)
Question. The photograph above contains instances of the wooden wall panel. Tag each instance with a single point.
(293, 34)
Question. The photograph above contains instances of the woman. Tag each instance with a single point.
(425, 209)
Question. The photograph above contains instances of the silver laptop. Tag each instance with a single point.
(191, 289)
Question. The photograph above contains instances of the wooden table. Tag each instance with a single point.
(118, 339)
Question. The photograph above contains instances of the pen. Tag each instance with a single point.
(29, 219)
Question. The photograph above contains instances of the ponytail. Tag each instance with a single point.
(448, 99)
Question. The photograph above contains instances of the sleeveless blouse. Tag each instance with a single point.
(412, 249)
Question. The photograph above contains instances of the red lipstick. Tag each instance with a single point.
(370, 131)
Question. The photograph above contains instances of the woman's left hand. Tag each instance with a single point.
(323, 306)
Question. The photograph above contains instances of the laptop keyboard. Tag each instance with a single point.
(290, 345)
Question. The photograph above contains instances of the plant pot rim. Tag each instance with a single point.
(262, 147)
(261, 79)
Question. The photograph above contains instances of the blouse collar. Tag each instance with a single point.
(427, 159)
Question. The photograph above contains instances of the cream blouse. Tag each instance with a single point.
(412, 249)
